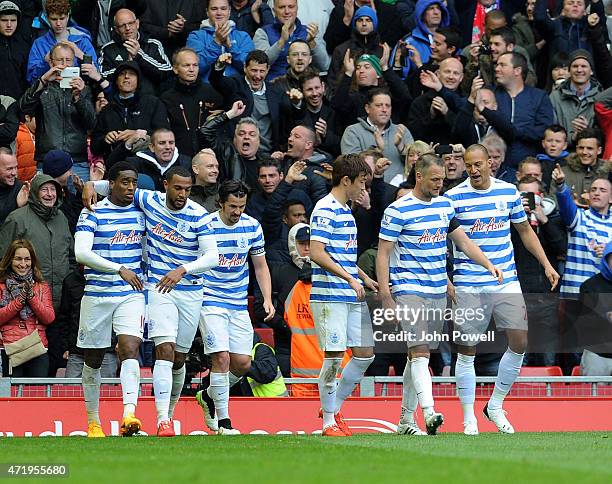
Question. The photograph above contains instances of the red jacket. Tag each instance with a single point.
(12, 328)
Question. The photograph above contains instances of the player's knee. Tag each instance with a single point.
(240, 366)
(466, 350)
(164, 351)
(221, 361)
(93, 358)
(517, 341)
(128, 349)
(363, 352)
(179, 360)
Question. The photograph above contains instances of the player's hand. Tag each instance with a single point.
(170, 280)
(269, 309)
(552, 276)
(599, 249)
(497, 273)
(389, 306)
(23, 195)
(358, 288)
(89, 196)
(371, 284)
(131, 278)
(451, 292)
(296, 172)
(557, 175)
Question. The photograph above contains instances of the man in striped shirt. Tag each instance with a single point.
(485, 208)
(341, 317)
(180, 247)
(589, 232)
(411, 260)
(224, 320)
(108, 243)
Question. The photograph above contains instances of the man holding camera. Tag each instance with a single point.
(63, 107)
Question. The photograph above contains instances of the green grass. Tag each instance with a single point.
(488, 458)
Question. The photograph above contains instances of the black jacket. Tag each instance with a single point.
(9, 120)
(67, 318)
(465, 130)
(350, 105)
(216, 135)
(207, 196)
(61, 123)
(594, 329)
(188, 106)
(425, 128)
(236, 88)
(14, 52)
(553, 238)
(152, 60)
(139, 112)
(358, 44)
(8, 199)
(331, 142)
(145, 163)
(158, 14)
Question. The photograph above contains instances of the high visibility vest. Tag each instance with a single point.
(306, 356)
(275, 388)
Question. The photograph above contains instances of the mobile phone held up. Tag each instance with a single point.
(67, 74)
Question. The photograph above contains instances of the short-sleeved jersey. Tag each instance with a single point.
(485, 216)
(418, 262)
(118, 233)
(332, 224)
(226, 285)
(172, 237)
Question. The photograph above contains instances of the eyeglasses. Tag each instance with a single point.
(127, 24)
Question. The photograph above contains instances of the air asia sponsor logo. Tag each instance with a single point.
(235, 261)
(429, 238)
(170, 235)
(486, 227)
(121, 238)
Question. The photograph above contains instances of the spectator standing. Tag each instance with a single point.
(58, 15)
(25, 311)
(128, 44)
(13, 193)
(219, 35)
(249, 15)
(205, 189)
(14, 51)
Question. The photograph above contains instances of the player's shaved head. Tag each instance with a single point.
(477, 147)
(426, 161)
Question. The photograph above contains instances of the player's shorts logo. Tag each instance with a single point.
(150, 324)
(334, 338)
(81, 335)
(210, 340)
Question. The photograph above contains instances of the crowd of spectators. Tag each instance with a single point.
(270, 92)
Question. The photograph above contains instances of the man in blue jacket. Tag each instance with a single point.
(430, 15)
(217, 36)
(523, 112)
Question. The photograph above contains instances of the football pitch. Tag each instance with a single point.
(372, 458)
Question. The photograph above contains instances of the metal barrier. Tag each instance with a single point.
(525, 386)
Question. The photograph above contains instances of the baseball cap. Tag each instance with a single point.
(7, 8)
(303, 234)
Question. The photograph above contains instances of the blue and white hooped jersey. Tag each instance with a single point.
(118, 233)
(587, 229)
(172, 237)
(333, 225)
(226, 285)
(485, 216)
(419, 229)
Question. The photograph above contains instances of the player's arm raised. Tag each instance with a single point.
(532, 244)
(320, 257)
(470, 249)
(262, 273)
